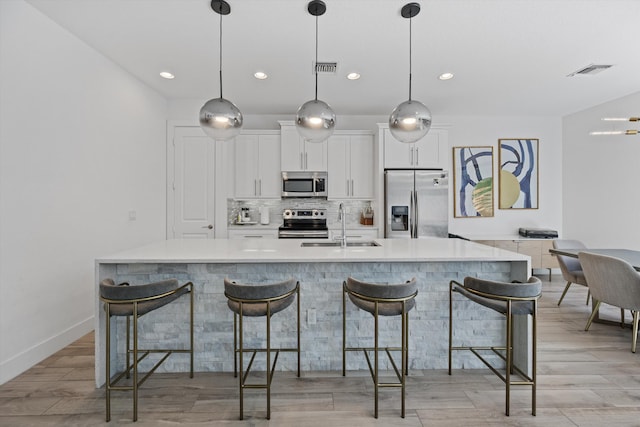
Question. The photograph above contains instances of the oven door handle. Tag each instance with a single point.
(308, 233)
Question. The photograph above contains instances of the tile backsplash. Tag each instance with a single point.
(354, 208)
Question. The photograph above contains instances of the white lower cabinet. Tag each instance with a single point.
(253, 234)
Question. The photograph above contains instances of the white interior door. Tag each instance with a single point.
(191, 192)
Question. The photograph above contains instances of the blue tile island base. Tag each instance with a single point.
(433, 262)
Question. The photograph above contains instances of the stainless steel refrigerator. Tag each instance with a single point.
(416, 203)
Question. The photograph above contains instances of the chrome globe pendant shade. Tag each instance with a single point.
(315, 120)
(220, 118)
(411, 120)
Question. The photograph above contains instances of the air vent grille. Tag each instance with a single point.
(325, 68)
(590, 70)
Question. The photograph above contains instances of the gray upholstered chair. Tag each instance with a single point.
(133, 302)
(615, 282)
(570, 267)
(508, 299)
(256, 300)
(381, 300)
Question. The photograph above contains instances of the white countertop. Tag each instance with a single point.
(290, 251)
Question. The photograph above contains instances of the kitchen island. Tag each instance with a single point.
(321, 271)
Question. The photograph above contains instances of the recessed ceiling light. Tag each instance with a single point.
(167, 75)
(260, 75)
(445, 76)
(353, 76)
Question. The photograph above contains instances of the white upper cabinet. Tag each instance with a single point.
(351, 167)
(257, 166)
(298, 154)
(429, 152)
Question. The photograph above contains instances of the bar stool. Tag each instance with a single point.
(134, 302)
(255, 301)
(508, 299)
(381, 300)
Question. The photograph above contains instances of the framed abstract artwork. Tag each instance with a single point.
(518, 159)
(472, 182)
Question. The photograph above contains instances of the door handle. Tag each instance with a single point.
(210, 227)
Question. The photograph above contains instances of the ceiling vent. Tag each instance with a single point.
(590, 70)
(325, 68)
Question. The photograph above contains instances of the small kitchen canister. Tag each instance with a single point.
(264, 215)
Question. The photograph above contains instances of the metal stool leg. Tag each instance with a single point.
(377, 378)
(108, 363)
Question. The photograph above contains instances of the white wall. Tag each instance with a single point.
(463, 131)
(600, 177)
(81, 144)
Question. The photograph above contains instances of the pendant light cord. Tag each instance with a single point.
(410, 39)
(220, 55)
(315, 65)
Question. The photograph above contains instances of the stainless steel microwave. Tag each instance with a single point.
(304, 184)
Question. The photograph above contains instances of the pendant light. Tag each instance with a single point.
(315, 119)
(219, 117)
(410, 120)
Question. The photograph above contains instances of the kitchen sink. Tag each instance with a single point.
(337, 244)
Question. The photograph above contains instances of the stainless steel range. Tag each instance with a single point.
(304, 224)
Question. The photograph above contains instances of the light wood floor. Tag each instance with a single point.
(585, 379)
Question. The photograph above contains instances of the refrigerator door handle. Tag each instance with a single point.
(414, 217)
(411, 214)
(417, 214)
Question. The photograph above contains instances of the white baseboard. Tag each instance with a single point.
(19, 363)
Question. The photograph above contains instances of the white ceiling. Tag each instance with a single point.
(510, 57)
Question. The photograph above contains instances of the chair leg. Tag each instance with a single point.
(596, 307)
(635, 331)
(344, 331)
(135, 361)
(191, 335)
(375, 346)
(509, 366)
(240, 365)
(622, 317)
(268, 360)
(450, 323)
(128, 347)
(566, 288)
(534, 360)
(298, 349)
(235, 345)
(107, 386)
(404, 352)
(588, 296)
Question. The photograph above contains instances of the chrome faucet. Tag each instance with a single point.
(343, 218)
